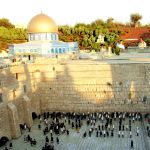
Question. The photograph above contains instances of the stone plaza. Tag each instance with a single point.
(76, 141)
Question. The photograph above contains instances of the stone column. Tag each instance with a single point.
(27, 111)
(14, 120)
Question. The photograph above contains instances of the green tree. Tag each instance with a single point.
(135, 19)
(11, 35)
(147, 41)
(96, 46)
(111, 38)
(84, 43)
(116, 50)
(97, 23)
(110, 20)
(86, 34)
(6, 23)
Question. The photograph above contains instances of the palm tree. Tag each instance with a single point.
(135, 19)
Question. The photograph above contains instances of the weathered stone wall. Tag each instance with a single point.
(86, 87)
(4, 121)
(101, 87)
(73, 87)
(13, 120)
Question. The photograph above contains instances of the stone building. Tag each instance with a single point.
(101, 39)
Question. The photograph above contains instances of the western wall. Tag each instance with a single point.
(78, 85)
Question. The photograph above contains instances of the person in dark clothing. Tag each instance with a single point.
(34, 142)
(84, 135)
(52, 139)
(10, 145)
(132, 144)
(28, 137)
(89, 133)
(47, 139)
(107, 133)
(123, 127)
(67, 132)
(112, 133)
(96, 133)
(72, 124)
(39, 126)
(57, 140)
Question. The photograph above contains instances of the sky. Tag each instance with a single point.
(71, 12)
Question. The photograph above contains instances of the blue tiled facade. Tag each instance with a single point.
(43, 44)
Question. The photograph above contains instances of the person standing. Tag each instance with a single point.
(130, 134)
(57, 140)
(132, 144)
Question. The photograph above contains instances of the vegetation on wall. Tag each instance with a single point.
(135, 19)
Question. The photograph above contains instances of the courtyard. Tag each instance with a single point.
(76, 141)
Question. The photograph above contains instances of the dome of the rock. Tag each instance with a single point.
(42, 23)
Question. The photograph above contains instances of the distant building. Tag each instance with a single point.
(132, 35)
(42, 39)
(100, 39)
(142, 44)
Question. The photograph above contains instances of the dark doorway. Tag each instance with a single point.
(1, 98)
(17, 76)
(29, 57)
(25, 88)
(14, 60)
(34, 115)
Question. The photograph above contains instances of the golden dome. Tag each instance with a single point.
(42, 24)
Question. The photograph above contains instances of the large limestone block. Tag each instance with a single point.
(14, 120)
(27, 111)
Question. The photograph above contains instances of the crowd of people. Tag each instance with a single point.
(99, 124)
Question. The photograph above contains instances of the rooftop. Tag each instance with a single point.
(135, 33)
